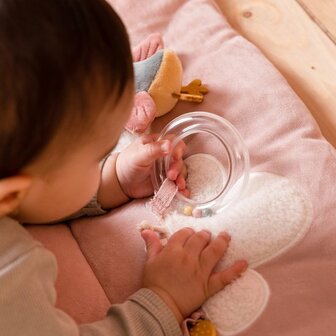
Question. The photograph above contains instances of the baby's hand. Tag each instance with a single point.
(134, 165)
(182, 272)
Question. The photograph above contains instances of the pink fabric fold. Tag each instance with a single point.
(79, 292)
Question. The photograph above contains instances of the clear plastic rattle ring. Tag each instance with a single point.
(215, 149)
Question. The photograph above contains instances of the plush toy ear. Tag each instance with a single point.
(147, 47)
(144, 110)
(143, 113)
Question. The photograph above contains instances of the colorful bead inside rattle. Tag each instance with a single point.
(205, 181)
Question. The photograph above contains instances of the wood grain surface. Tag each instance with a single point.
(292, 34)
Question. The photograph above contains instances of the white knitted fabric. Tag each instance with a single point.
(206, 177)
(245, 299)
(271, 216)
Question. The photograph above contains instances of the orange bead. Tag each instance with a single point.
(203, 328)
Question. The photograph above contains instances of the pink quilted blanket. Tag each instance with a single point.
(100, 259)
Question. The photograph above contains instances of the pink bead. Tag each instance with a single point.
(197, 213)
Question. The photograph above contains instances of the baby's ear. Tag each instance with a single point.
(12, 190)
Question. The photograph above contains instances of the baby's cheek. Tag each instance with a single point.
(88, 186)
(75, 195)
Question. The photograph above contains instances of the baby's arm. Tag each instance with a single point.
(27, 297)
(128, 175)
(110, 193)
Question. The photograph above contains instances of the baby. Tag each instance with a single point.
(66, 88)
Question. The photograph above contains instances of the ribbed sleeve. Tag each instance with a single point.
(27, 297)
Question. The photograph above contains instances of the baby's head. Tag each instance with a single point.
(66, 88)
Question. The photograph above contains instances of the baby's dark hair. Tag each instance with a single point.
(53, 52)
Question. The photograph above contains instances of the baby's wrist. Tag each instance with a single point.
(170, 302)
(118, 176)
(110, 193)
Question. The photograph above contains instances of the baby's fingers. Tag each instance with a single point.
(147, 151)
(219, 280)
(174, 170)
(214, 251)
(179, 238)
(180, 182)
(148, 138)
(177, 168)
(179, 150)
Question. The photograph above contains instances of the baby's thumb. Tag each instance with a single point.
(153, 243)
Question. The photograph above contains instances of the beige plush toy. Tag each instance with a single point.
(158, 80)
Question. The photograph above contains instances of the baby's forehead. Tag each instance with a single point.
(105, 120)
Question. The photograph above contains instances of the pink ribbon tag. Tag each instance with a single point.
(163, 197)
